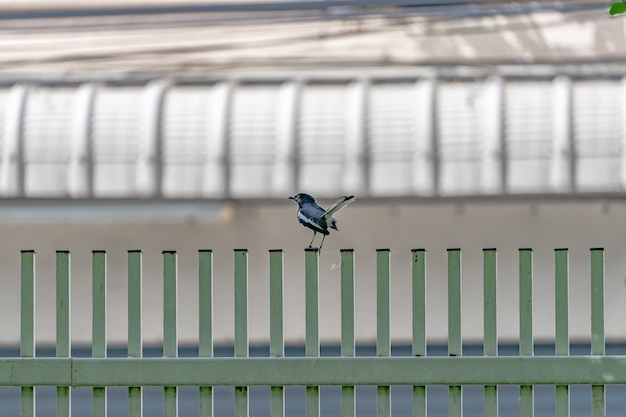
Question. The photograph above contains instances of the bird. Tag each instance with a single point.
(311, 215)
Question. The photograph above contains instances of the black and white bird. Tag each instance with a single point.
(315, 217)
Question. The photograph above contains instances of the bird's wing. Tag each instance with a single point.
(338, 205)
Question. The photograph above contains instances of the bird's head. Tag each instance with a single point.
(302, 198)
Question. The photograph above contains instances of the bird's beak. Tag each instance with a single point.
(292, 198)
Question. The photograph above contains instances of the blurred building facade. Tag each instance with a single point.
(246, 100)
(166, 127)
(379, 134)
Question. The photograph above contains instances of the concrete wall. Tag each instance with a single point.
(364, 227)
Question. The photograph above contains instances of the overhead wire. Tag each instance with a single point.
(436, 18)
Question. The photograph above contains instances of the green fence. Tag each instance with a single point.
(312, 371)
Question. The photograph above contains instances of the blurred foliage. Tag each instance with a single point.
(618, 8)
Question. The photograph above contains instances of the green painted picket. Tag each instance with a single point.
(311, 371)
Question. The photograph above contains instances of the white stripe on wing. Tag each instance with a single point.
(307, 220)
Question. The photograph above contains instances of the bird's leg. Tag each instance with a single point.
(311, 244)
(321, 244)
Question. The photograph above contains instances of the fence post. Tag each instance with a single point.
(277, 342)
(490, 288)
(455, 406)
(526, 324)
(312, 348)
(135, 344)
(597, 326)
(561, 291)
(205, 306)
(383, 341)
(27, 335)
(99, 344)
(347, 325)
(419, 324)
(98, 374)
(241, 324)
(63, 325)
(170, 326)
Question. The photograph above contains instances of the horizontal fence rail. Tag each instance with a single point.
(311, 370)
(92, 372)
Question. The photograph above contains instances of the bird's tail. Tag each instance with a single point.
(338, 205)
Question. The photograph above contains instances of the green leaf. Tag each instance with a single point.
(617, 8)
